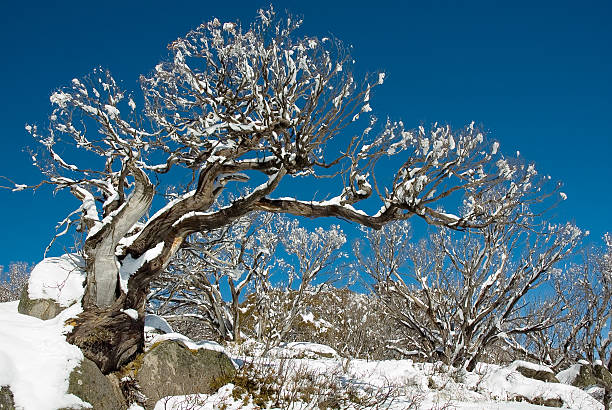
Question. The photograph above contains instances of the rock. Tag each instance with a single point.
(540, 401)
(581, 375)
(534, 371)
(170, 368)
(89, 384)
(6, 399)
(54, 284)
(603, 375)
(41, 308)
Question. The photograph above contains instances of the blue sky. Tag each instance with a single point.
(536, 75)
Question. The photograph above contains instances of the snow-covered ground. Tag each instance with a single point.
(36, 360)
(402, 384)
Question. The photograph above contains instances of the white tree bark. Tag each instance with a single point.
(100, 248)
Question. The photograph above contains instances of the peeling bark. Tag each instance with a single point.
(102, 266)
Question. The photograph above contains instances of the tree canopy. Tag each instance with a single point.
(237, 110)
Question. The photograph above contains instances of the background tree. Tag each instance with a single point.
(585, 290)
(460, 293)
(281, 296)
(13, 280)
(236, 108)
(231, 258)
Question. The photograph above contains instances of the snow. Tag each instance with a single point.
(60, 99)
(190, 344)
(153, 322)
(129, 266)
(131, 313)
(495, 148)
(61, 279)
(36, 360)
(528, 365)
(222, 399)
(417, 385)
(506, 383)
(307, 349)
(568, 375)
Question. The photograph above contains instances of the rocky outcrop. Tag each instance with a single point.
(170, 368)
(6, 399)
(534, 371)
(41, 308)
(89, 384)
(603, 375)
(583, 375)
(540, 401)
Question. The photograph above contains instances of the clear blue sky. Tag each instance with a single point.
(537, 75)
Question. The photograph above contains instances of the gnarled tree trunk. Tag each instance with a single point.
(108, 336)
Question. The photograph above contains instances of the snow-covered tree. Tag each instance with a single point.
(456, 294)
(254, 257)
(585, 290)
(238, 109)
(231, 258)
(279, 299)
(13, 280)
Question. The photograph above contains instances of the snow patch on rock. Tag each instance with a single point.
(61, 279)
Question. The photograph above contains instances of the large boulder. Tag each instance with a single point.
(177, 367)
(6, 399)
(54, 284)
(603, 375)
(583, 375)
(579, 375)
(534, 371)
(89, 384)
(41, 308)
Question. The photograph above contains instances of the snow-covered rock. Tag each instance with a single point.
(61, 279)
(155, 323)
(506, 383)
(583, 375)
(172, 367)
(573, 374)
(55, 284)
(534, 371)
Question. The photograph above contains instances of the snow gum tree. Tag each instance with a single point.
(237, 109)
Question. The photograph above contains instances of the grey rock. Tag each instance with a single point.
(542, 375)
(6, 399)
(41, 308)
(585, 377)
(89, 384)
(603, 375)
(540, 401)
(170, 368)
